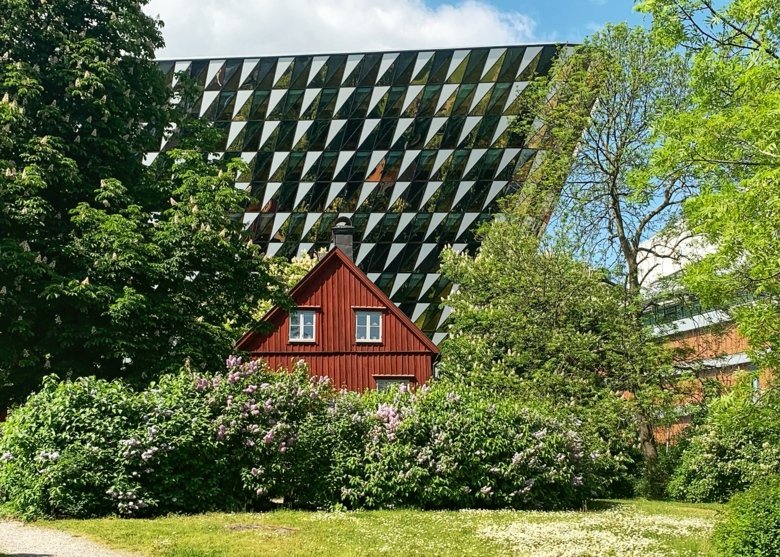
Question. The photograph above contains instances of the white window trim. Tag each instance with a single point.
(379, 340)
(299, 311)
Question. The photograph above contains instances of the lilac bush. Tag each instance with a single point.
(249, 437)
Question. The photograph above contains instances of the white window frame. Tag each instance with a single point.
(367, 326)
(298, 315)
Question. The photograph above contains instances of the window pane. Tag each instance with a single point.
(375, 316)
(295, 330)
(308, 319)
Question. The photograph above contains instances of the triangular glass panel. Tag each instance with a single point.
(387, 61)
(270, 190)
(316, 66)
(335, 190)
(214, 80)
(335, 127)
(493, 192)
(468, 219)
(283, 70)
(208, 99)
(268, 129)
(352, 61)
(468, 127)
(246, 70)
(422, 66)
(457, 66)
(446, 99)
(482, 90)
(401, 127)
(303, 189)
(493, 65)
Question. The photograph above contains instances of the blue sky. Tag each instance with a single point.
(570, 20)
(214, 28)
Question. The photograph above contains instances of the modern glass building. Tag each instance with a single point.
(415, 147)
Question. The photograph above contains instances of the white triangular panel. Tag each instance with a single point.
(149, 158)
(506, 158)
(493, 56)
(387, 61)
(438, 338)
(273, 248)
(468, 127)
(458, 248)
(430, 280)
(335, 127)
(303, 189)
(422, 59)
(268, 129)
(304, 247)
(368, 126)
(480, 93)
(249, 218)
(400, 278)
(208, 98)
(368, 189)
(183, 66)
(235, 129)
(468, 219)
(363, 251)
(376, 96)
(344, 158)
(409, 157)
(445, 313)
(279, 220)
(457, 58)
(474, 157)
(503, 124)
(311, 220)
(335, 189)
(274, 98)
(398, 189)
(530, 53)
(311, 158)
(270, 190)
(308, 96)
(430, 189)
(436, 125)
(248, 156)
(463, 188)
(316, 66)
(277, 161)
(373, 220)
(302, 127)
(495, 189)
(411, 94)
(425, 251)
(402, 125)
(342, 96)
(419, 309)
(518, 88)
(441, 156)
(395, 249)
(214, 67)
(436, 219)
(403, 222)
(376, 158)
(352, 61)
(241, 99)
(373, 276)
(281, 67)
(446, 92)
(243, 186)
(247, 68)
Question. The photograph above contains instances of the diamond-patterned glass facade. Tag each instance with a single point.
(415, 147)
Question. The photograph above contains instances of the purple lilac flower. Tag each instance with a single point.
(233, 377)
(269, 437)
(221, 432)
(486, 490)
(256, 472)
(201, 384)
(250, 389)
(233, 361)
(576, 480)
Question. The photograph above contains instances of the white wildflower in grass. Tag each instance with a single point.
(619, 532)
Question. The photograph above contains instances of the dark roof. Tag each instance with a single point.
(312, 276)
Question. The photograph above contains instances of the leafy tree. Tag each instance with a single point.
(596, 116)
(528, 317)
(108, 266)
(729, 136)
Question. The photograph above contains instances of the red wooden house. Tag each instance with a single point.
(344, 327)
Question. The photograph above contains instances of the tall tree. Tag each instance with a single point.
(107, 266)
(729, 136)
(595, 169)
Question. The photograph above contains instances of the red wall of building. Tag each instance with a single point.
(334, 294)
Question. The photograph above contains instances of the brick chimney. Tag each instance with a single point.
(342, 236)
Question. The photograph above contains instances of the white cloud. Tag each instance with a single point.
(209, 28)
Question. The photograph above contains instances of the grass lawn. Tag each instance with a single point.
(620, 528)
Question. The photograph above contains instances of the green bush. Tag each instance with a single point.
(736, 444)
(248, 436)
(751, 525)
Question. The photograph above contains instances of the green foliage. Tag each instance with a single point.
(247, 437)
(736, 444)
(751, 526)
(729, 138)
(109, 267)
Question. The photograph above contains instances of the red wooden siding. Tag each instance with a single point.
(335, 289)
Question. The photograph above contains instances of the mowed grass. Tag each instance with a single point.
(620, 528)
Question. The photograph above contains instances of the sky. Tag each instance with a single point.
(221, 28)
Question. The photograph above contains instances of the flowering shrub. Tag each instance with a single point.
(751, 525)
(737, 443)
(248, 436)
